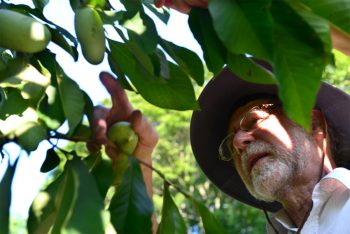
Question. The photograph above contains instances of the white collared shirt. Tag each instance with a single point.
(331, 207)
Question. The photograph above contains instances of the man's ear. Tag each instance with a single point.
(318, 126)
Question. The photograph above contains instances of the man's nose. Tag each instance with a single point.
(242, 139)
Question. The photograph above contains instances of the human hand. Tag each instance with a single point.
(183, 6)
(121, 110)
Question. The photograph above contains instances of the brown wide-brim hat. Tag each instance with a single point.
(209, 126)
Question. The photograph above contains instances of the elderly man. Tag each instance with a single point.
(267, 161)
(253, 152)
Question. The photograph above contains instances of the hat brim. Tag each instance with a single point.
(209, 126)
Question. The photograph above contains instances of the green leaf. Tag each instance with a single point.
(96, 3)
(72, 99)
(246, 69)
(319, 25)
(245, 27)
(171, 221)
(5, 191)
(175, 92)
(142, 30)
(210, 223)
(58, 37)
(88, 214)
(30, 134)
(13, 103)
(50, 108)
(187, 60)
(51, 161)
(52, 208)
(214, 51)
(40, 4)
(131, 209)
(115, 67)
(337, 12)
(162, 13)
(101, 170)
(132, 5)
(69, 204)
(30, 81)
(13, 67)
(298, 71)
(75, 4)
(120, 167)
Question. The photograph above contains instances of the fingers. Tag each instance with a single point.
(183, 6)
(143, 128)
(99, 126)
(159, 3)
(99, 129)
(121, 106)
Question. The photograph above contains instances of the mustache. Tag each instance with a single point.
(257, 147)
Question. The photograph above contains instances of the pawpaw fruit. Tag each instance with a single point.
(123, 136)
(90, 33)
(22, 33)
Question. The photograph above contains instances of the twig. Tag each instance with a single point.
(165, 179)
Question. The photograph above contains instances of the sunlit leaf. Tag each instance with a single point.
(51, 161)
(13, 67)
(115, 67)
(96, 3)
(248, 70)
(121, 164)
(175, 92)
(50, 107)
(210, 223)
(30, 134)
(298, 71)
(244, 26)
(52, 208)
(172, 221)
(214, 52)
(337, 12)
(67, 204)
(72, 99)
(187, 60)
(30, 81)
(5, 191)
(319, 25)
(13, 103)
(131, 209)
(142, 31)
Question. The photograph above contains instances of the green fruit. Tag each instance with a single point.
(123, 136)
(22, 33)
(90, 34)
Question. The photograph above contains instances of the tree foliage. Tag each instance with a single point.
(37, 97)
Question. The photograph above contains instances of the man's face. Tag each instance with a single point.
(271, 151)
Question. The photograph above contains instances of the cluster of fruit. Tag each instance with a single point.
(23, 33)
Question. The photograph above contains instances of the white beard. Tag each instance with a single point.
(275, 174)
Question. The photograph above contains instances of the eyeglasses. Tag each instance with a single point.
(248, 123)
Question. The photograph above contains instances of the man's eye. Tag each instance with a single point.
(250, 121)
